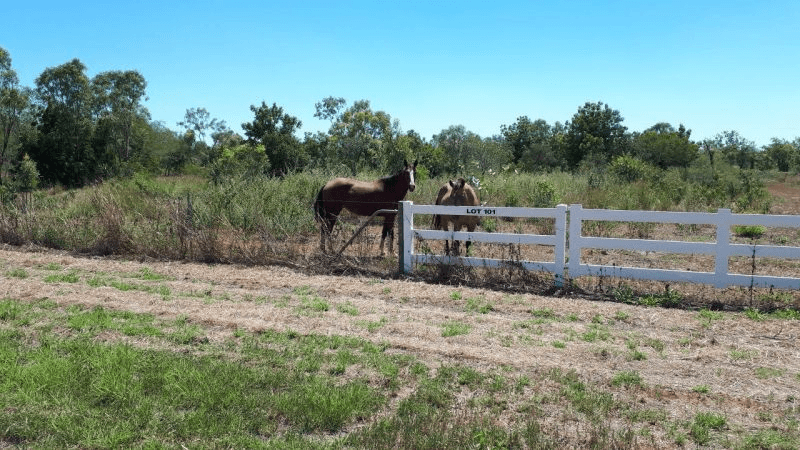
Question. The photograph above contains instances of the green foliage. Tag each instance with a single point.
(749, 231)
(627, 378)
(244, 160)
(628, 169)
(455, 328)
(595, 129)
(666, 149)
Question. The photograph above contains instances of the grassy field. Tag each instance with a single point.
(85, 365)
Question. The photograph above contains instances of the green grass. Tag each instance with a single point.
(455, 328)
(78, 377)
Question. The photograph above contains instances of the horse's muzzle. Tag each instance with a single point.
(411, 187)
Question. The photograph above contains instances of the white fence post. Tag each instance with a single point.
(574, 241)
(560, 249)
(724, 221)
(406, 236)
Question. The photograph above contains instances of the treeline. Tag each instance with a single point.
(72, 130)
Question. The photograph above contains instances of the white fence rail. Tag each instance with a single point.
(574, 242)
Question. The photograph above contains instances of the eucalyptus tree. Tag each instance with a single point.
(359, 136)
(198, 125)
(664, 146)
(275, 130)
(466, 153)
(736, 149)
(534, 144)
(63, 152)
(595, 130)
(14, 101)
(782, 154)
(118, 96)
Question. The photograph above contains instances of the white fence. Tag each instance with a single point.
(573, 242)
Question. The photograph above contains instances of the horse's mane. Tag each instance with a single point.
(391, 180)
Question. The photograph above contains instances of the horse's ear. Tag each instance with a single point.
(415, 164)
(452, 185)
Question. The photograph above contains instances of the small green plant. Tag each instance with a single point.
(637, 355)
(489, 225)
(741, 355)
(768, 372)
(750, 231)
(544, 313)
(623, 294)
(373, 325)
(707, 316)
(626, 378)
(479, 305)
(17, 273)
(559, 344)
(701, 389)
(70, 277)
(347, 308)
(703, 423)
(455, 328)
(455, 295)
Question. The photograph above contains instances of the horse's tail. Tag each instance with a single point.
(319, 207)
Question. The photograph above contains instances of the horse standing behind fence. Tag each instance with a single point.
(456, 193)
(363, 198)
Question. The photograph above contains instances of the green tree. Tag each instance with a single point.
(198, 125)
(736, 149)
(359, 136)
(595, 129)
(14, 101)
(663, 146)
(458, 145)
(526, 136)
(782, 154)
(118, 96)
(63, 152)
(275, 131)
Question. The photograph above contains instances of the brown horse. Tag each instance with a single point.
(456, 193)
(363, 198)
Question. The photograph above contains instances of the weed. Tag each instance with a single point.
(749, 231)
(455, 328)
(768, 372)
(17, 273)
(479, 305)
(347, 308)
(626, 378)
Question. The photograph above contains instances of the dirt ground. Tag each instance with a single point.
(751, 368)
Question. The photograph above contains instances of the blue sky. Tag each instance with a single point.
(711, 65)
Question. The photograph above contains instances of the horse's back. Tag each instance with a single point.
(463, 195)
(359, 197)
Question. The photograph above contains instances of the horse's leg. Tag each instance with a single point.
(388, 230)
(470, 228)
(326, 228)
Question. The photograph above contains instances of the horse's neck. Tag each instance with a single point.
(392, 184)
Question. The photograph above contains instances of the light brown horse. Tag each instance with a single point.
(456, 193)
(363, 198)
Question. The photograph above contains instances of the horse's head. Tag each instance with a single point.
(408, 173)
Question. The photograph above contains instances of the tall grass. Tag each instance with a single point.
(255, 219)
